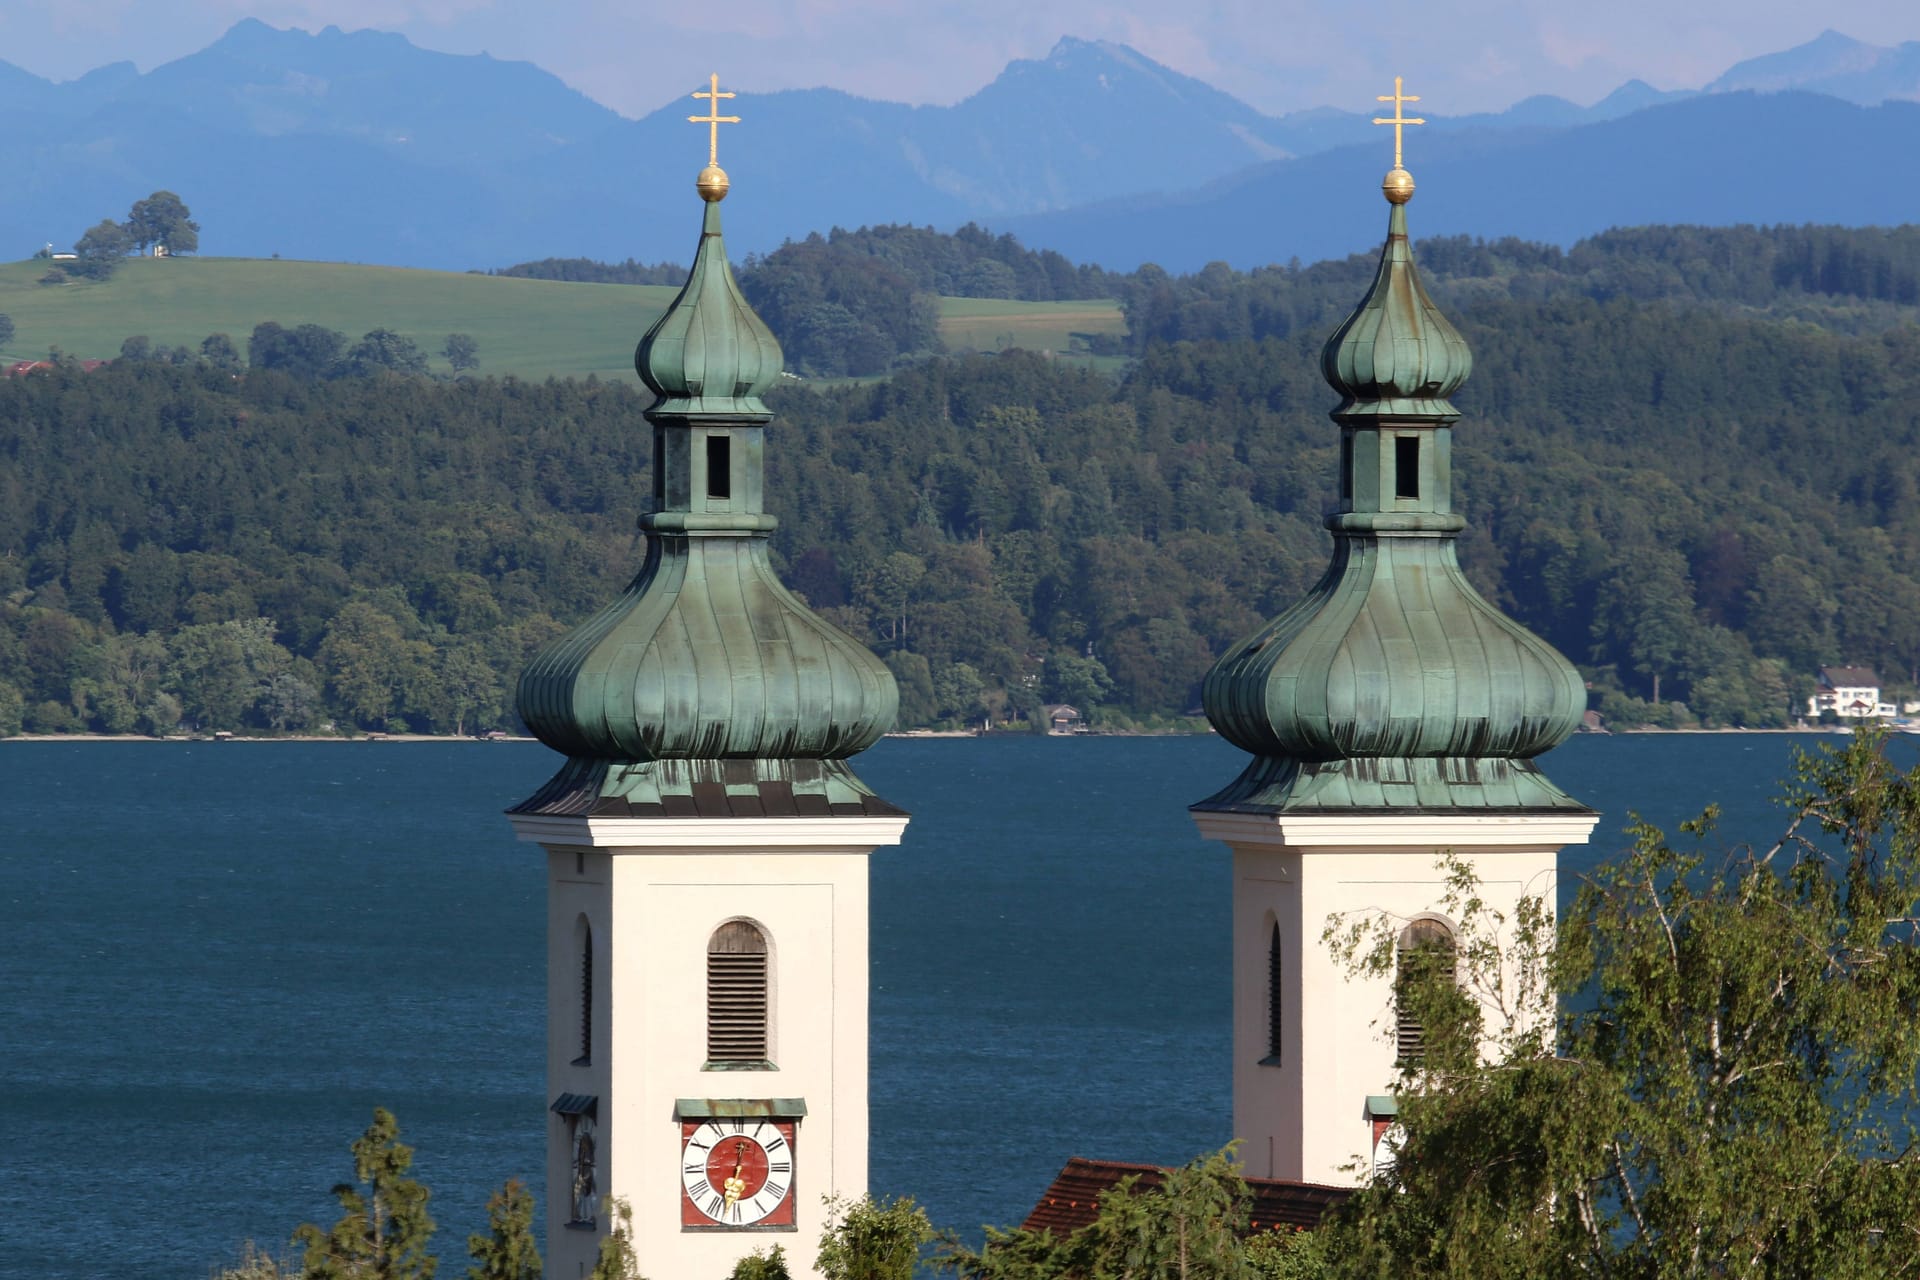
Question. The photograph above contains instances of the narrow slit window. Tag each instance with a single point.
(1346, 466)
(1274, 1006)
(586, 995)
(737, 1005)
(1426, 950)
(719, 467)
(1406, 466)
(659, 469)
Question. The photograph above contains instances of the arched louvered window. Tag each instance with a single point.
(585, 936)
(1426, 947)
(1274, 1006)
(737, 1006)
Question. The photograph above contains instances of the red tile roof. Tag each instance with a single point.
(1074, 1198)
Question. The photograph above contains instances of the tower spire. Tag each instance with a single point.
(1391, 713)
(706, 838)
(1394, 684)
(707, 665)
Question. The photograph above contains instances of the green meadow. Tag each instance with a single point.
(531, 328)
(527, 327)
(988, 324)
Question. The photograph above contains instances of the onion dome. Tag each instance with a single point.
(707, 689)
(1397, 354)
(1393, 685)
(709, 353)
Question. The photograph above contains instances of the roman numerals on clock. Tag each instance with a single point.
(737, 1173)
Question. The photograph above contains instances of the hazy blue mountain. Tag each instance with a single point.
(1833, 64)
(1714, 159)
(361, 147)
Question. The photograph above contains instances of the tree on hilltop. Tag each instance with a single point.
(163, 219)
(100, 249)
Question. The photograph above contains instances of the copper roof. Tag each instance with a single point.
(1073, 1200)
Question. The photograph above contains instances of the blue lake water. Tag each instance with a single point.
(217, 959)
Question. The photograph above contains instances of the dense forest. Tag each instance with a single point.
(1688, 459)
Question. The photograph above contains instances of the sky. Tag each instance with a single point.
(1278, 55)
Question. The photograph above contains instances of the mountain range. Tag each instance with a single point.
(360, 146)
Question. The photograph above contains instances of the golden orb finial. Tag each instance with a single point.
(1397, 186)
(712, 182)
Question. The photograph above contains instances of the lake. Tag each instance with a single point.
(217, 959)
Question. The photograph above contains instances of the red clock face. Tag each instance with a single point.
(736, 1174)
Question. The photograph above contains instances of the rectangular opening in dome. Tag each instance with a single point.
(719, 467)
(1346, 464)
(1406, 466)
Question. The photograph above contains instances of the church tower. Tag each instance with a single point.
(706, 843)
(1392, 714)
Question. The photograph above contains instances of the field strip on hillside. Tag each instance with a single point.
(529, 328)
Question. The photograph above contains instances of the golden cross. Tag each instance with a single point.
(1400, 119)
(713, 119)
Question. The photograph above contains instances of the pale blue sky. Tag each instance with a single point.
(1279, 55)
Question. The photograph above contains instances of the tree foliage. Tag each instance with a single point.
(1007, 530)
(462, 352)
(162, 220)
(617, 1259)
(771, 1265)
(1191, 1225)
(508, 1251)
(1727, 1085)
(384, 1228)
(868, 1239)
(100, 249)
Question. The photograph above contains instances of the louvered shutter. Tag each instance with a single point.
(737, 994)
(1426, 946)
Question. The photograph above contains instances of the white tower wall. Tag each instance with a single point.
(654, 891)
(1305, 1117)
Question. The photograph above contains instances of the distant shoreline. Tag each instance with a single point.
(903, 733)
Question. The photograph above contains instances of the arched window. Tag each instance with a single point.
(1274, 1005)
(737, 994)
(583, 933)
(1426, 947)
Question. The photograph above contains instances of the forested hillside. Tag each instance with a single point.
(1677, 485)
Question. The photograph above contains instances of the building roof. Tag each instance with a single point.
(1073, 1200)
(1849, 677)
(701, 690)
(1393, 685)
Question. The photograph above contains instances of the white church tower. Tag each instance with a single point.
(1392, 714)
(706, 846)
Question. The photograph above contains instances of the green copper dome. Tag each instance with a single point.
(709, 353)
(1397, 354)
(1393, 684)
(707, 688)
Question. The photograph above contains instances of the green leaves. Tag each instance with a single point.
(1731, 1087)
(508, 1251)
(1187, 1226)
(868, 1239)
(384, 1227)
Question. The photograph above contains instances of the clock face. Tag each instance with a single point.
(736, 1174)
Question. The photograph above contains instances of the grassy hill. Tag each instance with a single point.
(532, 328)
(527, 327)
